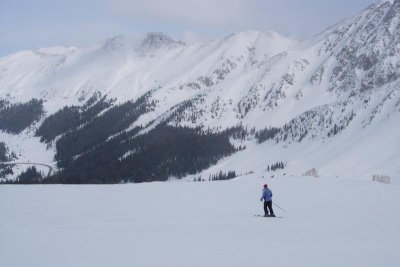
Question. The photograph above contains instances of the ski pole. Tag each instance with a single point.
(279, 207)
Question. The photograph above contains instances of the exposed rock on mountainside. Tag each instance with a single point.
(342, 83)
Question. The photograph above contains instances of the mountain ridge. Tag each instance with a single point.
(345, 79)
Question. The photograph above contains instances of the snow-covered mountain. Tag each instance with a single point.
(333, 100)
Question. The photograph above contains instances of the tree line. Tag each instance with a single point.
(276, 166)
(14, 118)
(4, 157)
(70, 118)
(157, 155)
(223, 176)
(29, 176)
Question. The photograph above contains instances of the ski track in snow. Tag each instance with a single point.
(329, 222)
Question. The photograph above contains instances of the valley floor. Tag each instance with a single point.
(329, 222)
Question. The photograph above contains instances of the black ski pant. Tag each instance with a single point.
(268, 206)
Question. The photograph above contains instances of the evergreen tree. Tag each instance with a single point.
(30, 176)
(163, 152)
(14, 118)
(266, 134)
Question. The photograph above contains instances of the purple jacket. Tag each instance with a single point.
(266, 195)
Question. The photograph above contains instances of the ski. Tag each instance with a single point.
(259, 215)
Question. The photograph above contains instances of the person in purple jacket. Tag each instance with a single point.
(267, 197)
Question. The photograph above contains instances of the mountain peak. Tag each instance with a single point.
(115, 43)
(157, 40)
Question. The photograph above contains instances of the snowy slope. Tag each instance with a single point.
(343, 81)
(329, 222)
(353, 153)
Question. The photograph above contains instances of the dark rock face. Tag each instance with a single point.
(365, 48)
(156, 40)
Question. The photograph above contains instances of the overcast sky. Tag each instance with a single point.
(29, 24)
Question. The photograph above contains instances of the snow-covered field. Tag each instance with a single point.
(329, 222)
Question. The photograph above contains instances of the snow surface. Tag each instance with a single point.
(353, 153)
(329, 222)
(28, 149)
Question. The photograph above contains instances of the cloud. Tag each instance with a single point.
(192, 13)
(41, 23)
(289, 17)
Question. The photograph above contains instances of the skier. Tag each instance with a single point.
(267, 197)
